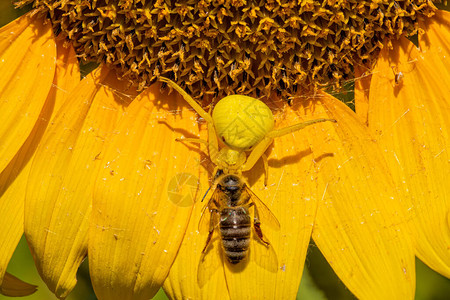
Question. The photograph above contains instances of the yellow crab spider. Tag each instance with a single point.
(244, 124)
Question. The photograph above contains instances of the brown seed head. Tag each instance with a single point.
(226, 47)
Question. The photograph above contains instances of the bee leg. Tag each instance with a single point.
(259, 233)
(212, 225)
(257, 226)
(208, 241)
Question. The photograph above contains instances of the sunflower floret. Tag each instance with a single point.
(233, 46)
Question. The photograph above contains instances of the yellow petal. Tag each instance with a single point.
(14, 287)
(138, 221)
(13, 179)
(61, 181)
(27, 67)
(361, 225)
(182, 280)
(435, 34)
(411, 121)
(362, 85)
(11, 211)
(67, 73)
(18, 27)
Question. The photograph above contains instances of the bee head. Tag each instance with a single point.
(230, 184)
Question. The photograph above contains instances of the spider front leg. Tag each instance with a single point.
(193, 140)
(261, 147)
(212, 144)
(283, 131)
(255, 154)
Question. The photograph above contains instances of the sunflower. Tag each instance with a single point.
(91, 167)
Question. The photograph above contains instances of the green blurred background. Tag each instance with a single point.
(318, 282)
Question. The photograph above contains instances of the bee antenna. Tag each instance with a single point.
(206, 194)
(218, 173)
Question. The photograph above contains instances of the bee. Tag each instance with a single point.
(243, 125)
(229, 209)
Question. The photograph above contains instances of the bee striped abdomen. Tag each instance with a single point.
(235, 228)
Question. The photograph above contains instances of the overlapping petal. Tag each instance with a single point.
(11, 222)
(14, 287)
(435, 35)
(361, 225)
(60, 186)
(27, 67)
(363, 77)
(13, 178)
(143, 198)
(410, 119)
(182, 280)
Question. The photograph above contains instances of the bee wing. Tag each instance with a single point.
(263, 255)
(211, 258)
(205, 219)
(267, 217)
